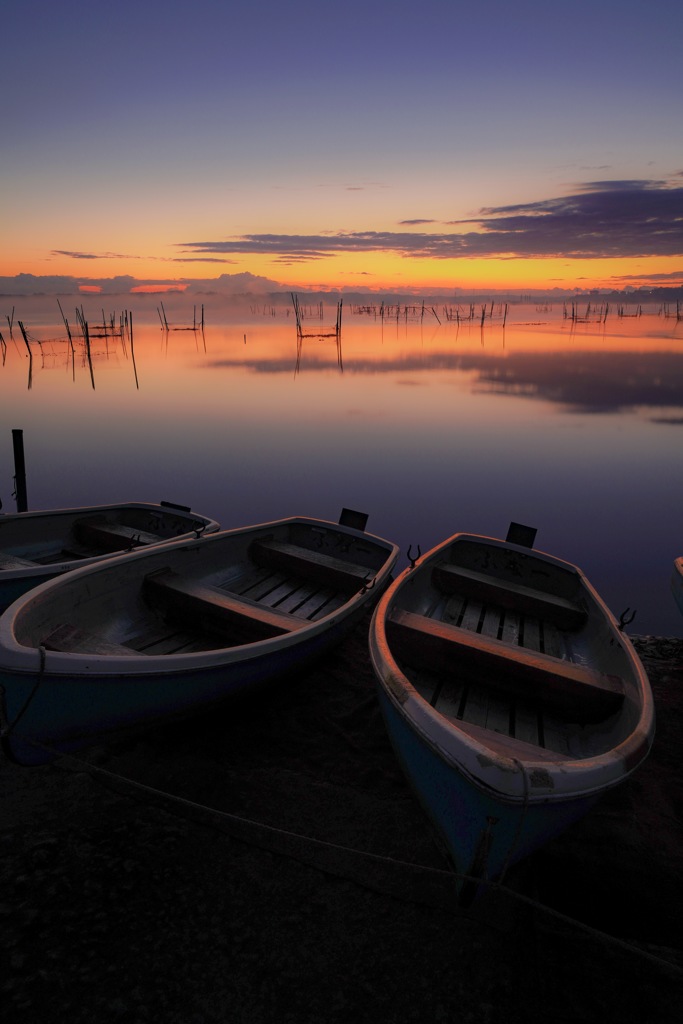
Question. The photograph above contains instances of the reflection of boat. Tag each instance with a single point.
(510, 695)
(37, 546)
(175, 628)
(677, 582)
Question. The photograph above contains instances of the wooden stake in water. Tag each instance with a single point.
(19, 470)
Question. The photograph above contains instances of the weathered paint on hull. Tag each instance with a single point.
(484, 835)
(66, 713)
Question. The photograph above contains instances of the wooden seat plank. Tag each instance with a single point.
(527, 600)
(575, 691)
(95, 531)
(314, 565)
(186, 599)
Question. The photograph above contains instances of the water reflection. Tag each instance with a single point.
(577, 363)
(313, 341)
(595, 382)
(594, 370)
(431, 427)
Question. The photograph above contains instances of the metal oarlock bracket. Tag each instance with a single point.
(410, 558)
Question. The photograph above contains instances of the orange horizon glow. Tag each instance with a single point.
(375, 272)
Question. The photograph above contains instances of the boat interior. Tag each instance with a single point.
(499, 657)
(49, 539)
(279, 588)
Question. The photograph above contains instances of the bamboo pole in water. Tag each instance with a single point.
(66, 324)
(132, 350)
(86, 335)
(24, 335)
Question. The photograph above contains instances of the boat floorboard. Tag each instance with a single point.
(286, 592)
(273, 590)
(473, 703)
(168, 641)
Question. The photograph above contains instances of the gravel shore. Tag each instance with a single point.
(121, 904)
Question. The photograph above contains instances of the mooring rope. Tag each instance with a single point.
(520, 821)
(36, 686)
(400, 880)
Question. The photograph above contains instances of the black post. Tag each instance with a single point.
(19, 470)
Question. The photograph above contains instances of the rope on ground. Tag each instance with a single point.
(400, 880)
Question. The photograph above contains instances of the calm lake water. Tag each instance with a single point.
(431, 426)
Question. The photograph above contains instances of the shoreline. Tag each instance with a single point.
(119, 906)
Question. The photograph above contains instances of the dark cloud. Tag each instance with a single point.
(200, 259)
(127, 256)
(75, 255)
(674, 277)
(124, 284)
(603, 219)
(606, 218)
(94, 255)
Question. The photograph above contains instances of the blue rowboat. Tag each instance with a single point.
(38, 546)
(677, 583)
(511, 697)
(169, 630)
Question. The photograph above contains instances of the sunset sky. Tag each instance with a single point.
(384, 144)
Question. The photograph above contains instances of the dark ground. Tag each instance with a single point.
(120, 906)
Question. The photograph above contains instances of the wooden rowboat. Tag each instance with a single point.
(677, 583)
(510, 695)
(37, 546)
(175, 628)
